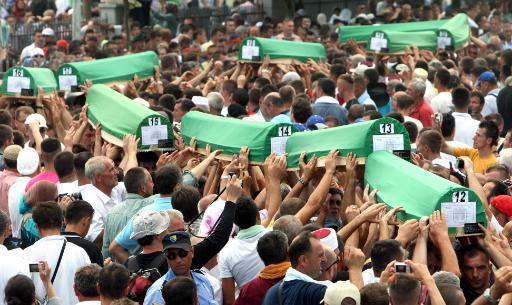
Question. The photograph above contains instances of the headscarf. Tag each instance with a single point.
(40, 192)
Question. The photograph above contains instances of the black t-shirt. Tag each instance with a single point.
(469, 293)
(147, 261)
(504, 104)
(92, 250)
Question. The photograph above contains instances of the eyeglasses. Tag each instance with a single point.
(171, 255)
(334, 263)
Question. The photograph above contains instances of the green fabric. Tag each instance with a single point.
(118, 217)
(361, 33)
(231, 134)
(120, 115)
(100, 71)
(401, 35)
(401, 183)
(250, 232)
(281, 49)
(34, 76)
(356, 138)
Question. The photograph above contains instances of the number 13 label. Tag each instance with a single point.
(387, 128)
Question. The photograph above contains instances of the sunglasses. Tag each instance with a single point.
(334, 263)
(38, 56)
(171, 255)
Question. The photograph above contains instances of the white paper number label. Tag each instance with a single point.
(462, 196)
(387, 128)
(67, 71)
(284, 131)
(17, 72)
(154, 121)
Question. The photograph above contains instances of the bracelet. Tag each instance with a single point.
(225, 177)
(302, 181)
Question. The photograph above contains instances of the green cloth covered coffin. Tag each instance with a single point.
(231, 134)
(24, 81)
(256, 48)
(119, 115)
(419, 192)
(360, 138)
(426, 35)
(108, 70)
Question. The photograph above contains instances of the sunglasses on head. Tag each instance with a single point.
(172, 255)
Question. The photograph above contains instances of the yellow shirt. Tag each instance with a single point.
(480, 164)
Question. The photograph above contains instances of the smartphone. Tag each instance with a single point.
(472, 228)
(33, 267)
(402, 268)
(27, 92)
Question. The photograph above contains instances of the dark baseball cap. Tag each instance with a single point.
(177, 240)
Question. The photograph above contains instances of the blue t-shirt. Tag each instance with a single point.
(296, 292)
(205, 292)
(123, 238)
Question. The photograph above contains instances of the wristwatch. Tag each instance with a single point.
(489, 298)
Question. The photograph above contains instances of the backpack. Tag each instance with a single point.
(142, 279)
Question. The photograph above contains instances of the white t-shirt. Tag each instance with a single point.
(16, 191)
(11, 264)
(369, 277)
(67, 187)
(48, 249)
(89, 303)
(490, 105)
(240, 260)
(465, 128)
(415, 121)
(442, 103)
(102, 204)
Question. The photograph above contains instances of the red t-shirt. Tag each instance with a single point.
(254, 292)
(423, 113)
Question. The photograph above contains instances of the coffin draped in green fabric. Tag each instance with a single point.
(119, 115)
(231, 134)
(256, 48)
(401, 183)
(17, 78)
(100, 71)
(356, 138)
(423, 34)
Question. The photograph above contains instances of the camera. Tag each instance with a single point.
(459, 164)
(33, 267)
(402, 268)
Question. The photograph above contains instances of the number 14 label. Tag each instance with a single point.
(284, 131)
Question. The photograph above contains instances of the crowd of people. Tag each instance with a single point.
(83, 221)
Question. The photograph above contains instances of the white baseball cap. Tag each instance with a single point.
(149, 223)
(36, 117)
(48, 32)
(28, 161)
(338, 291)
(36, 51)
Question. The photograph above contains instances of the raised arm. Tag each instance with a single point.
(320, 193)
